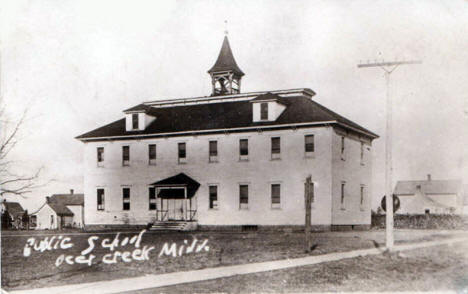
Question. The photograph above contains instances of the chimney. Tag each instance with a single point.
(47, 199)
(71, 191)
(428, 177)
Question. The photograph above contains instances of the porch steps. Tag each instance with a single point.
(173, 226)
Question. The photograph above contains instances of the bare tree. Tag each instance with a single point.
(12, 183)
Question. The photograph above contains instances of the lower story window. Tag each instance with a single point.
(152, 198)
(275, 196)
(126, 198)
(100, 199)
(213, 190)
(243, 196)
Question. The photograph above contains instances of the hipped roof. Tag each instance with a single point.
(224, 116)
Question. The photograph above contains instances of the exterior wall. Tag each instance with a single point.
(77, 220)
(415, 204)
(259, 173)
(44, 218)
(349, 169)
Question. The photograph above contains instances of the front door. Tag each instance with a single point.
(176, 209)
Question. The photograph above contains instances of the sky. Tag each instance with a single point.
(75, 65)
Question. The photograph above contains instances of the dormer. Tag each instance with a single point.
(137, 120)
(267, 107)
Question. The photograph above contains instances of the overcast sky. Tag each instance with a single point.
(77, 64)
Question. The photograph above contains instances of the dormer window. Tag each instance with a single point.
(135, 121)
(264, 111)
(138, 120)
(267, 107)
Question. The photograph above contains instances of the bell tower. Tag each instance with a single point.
(225, 74)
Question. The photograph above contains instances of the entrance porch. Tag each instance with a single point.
(175, 199)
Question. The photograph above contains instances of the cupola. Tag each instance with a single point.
(225, 74)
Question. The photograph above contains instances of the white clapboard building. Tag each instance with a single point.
(230, 159)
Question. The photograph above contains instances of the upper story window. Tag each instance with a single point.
(152, 198)
(213, 151)
(243, 196)
(213, 191)
(125, 155)
(182, 152)
(264, 111)
(100, 199)
(100, 156)
(152, 154)
(343, 148)
(135, 121)
(244, 149)
(309, 145)
(126, 198)
(275, 148)
(275, 196)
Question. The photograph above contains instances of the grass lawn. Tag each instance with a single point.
(227, 248)
(442, 268)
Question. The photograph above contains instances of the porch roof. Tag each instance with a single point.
(178, 181)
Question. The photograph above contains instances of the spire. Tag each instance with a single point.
(226, 61)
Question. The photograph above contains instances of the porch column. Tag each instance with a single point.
(185, 203)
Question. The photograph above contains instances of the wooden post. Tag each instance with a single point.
(308, 216)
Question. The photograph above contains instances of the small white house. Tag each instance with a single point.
(60, 211)
(430, 196)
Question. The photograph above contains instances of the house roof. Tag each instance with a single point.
(226, 61)
(223, 116)
(68, 199)
(428, 187)
(60, 209)
(271, 97)
(179, 180)
(14, 208)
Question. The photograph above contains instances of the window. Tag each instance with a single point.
(100, 156)
(275, 196)
(126, 198)
(52, 220)
(213, 151)
(243, 196)
(125, 155)
(362, 153)
(342, 195)
(152, 198)
(100, 199)
(213, 191)
(135, 121)
(244, 149)
(342, 148)
(182, 153)
(275, 148)
(361, 202)
(309, 145)
(152, 154)
(264, 111)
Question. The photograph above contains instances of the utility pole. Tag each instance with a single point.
(308, 198)
(388, 68)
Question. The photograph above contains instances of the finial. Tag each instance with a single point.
(225, 28)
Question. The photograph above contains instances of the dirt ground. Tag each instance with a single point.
(226, 248)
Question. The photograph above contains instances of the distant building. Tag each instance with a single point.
(430, 196)
(229, 159)
(12, 215)
(60, 211)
